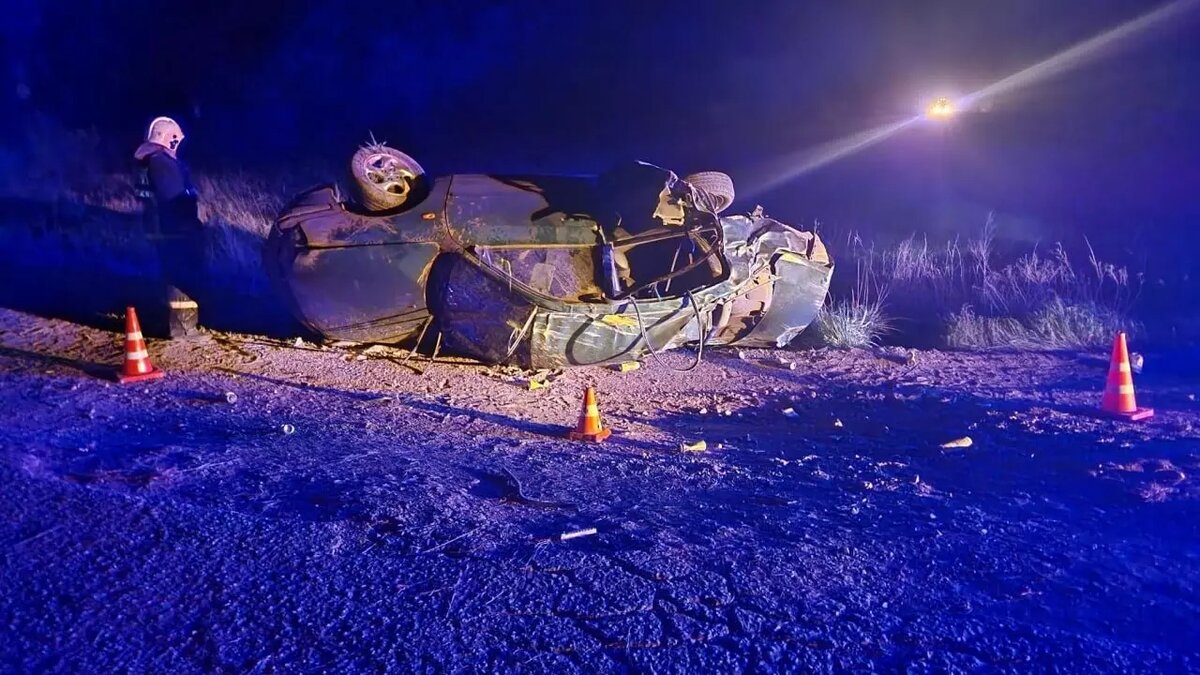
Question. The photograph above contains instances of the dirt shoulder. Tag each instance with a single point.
(409, 517)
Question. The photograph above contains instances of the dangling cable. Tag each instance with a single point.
(515, 340)
(650, 348)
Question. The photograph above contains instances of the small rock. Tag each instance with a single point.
(790, 412)
(298, 343)
(704, 411)
(838, 423)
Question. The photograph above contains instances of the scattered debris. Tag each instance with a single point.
(698, 446)
(567, 536)
(231, 397)
(627, 366)
(288, 429)
(507, 488)
(838, 423)
(790, 412)
(587, 532)
(1136, 361)
(964, 442)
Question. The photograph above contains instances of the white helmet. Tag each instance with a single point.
(165, 132)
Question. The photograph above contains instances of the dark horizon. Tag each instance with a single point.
(510, 89)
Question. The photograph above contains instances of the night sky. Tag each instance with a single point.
(514, 86)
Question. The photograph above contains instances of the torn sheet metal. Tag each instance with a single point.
(547, 272)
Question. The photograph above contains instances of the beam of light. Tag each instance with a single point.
(810, 159)
(814, 158)
(1085, 51)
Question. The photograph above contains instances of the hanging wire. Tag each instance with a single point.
(655, 353)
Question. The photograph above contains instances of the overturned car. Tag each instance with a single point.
(546, 271)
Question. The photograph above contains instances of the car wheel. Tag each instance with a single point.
(718, 185)
(385, 176)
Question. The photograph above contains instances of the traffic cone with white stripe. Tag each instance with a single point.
(1119, 400)
(589, 428)
(137, 366)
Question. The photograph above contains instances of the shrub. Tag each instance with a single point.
(850, 324)
(958, 295)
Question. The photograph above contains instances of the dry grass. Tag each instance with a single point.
(858, 320)
(89, 189)
(957, 295)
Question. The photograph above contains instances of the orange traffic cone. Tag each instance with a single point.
(589, 428)
(1119, 400)
(137, 366)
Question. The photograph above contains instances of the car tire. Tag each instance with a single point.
(386, 177)
(716, 184)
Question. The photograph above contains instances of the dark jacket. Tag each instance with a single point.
(167, 176)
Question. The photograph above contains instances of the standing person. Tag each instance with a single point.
(166, 190)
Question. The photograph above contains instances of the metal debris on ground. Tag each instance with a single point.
(575, 534)
(230, 397)
(627, 366)
(509, 489)
(288, 429)
(964, 442)
(698, 446)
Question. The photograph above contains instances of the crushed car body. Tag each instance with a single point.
(549, 271)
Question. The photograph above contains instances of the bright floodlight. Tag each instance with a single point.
(941, 108)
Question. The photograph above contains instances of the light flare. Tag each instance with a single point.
(810, 159)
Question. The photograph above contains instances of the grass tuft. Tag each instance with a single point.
(959, 295)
